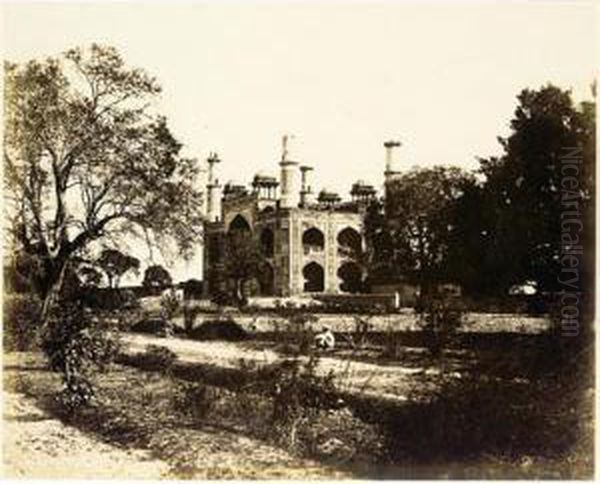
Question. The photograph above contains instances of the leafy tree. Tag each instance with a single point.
(90, 276)
(379, 250)
(515, 216)
(85, 158)
(115, 264)
(157, 276)
(243, 261)
(420, 213)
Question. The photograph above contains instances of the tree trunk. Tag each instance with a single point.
(239, 294)
(54, 286)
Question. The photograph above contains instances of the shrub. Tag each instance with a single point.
(359, 336)
(128, 300)
(157, 358)
(223, 298)
(226, 329)
(189, 317)
(21, 313)
(440, 317)
(170, 304)
(155, 326)
(393, 348)
(194, 400)
(298, 394)
(76, 344)
(476, 416)
(108, 298)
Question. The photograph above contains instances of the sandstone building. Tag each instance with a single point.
(310, 242)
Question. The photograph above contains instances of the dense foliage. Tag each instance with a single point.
(156, 276)
(506, 224)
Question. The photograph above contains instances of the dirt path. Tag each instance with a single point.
(35, 445)
(393, 382)
(38, 445)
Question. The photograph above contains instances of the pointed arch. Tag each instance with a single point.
(240, 223)
(314, 277)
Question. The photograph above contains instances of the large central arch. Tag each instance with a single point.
(239, 223)
(314, 277)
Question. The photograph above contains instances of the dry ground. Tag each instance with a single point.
(393, 382)
(38, 444)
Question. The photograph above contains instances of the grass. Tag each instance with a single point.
(139, 409)
(495, 412)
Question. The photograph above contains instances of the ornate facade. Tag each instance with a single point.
(311, 245)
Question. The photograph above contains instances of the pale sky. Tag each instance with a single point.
(343, 77)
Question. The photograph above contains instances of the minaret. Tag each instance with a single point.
(306, 194)
(391, 168)
(214, 190)
(289, 189)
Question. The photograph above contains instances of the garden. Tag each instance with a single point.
(212, 397)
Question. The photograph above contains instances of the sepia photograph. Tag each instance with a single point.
(299, 240)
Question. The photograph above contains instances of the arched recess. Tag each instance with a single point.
(267, 242)
(349, 242)
(266, 281)
(239, 223)
(313, 240)
(350, 275)
(314, 277)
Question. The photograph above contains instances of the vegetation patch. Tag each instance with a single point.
(219, 329)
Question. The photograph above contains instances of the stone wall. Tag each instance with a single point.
(474, 322)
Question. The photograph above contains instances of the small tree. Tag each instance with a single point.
(90, 276)
(243, 260)
(156, 277)
(115, 265)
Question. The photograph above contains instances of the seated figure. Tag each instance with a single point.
(325, 339)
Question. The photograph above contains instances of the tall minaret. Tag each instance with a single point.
(214, 190)
(391, 168)
(307, 195)
(289, 183)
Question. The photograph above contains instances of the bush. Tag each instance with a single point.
(21, 314)
(477, 416)
(298, 395)
(76, 344)
(108, 298)
(440, 317)
(223, 298)
(157, 358)
(194, 400)
(189, 317)
(170, 304)
(155, 326)
(227, 330)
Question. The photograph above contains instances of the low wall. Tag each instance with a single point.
(407, 321)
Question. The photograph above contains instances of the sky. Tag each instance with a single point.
(342, 77)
